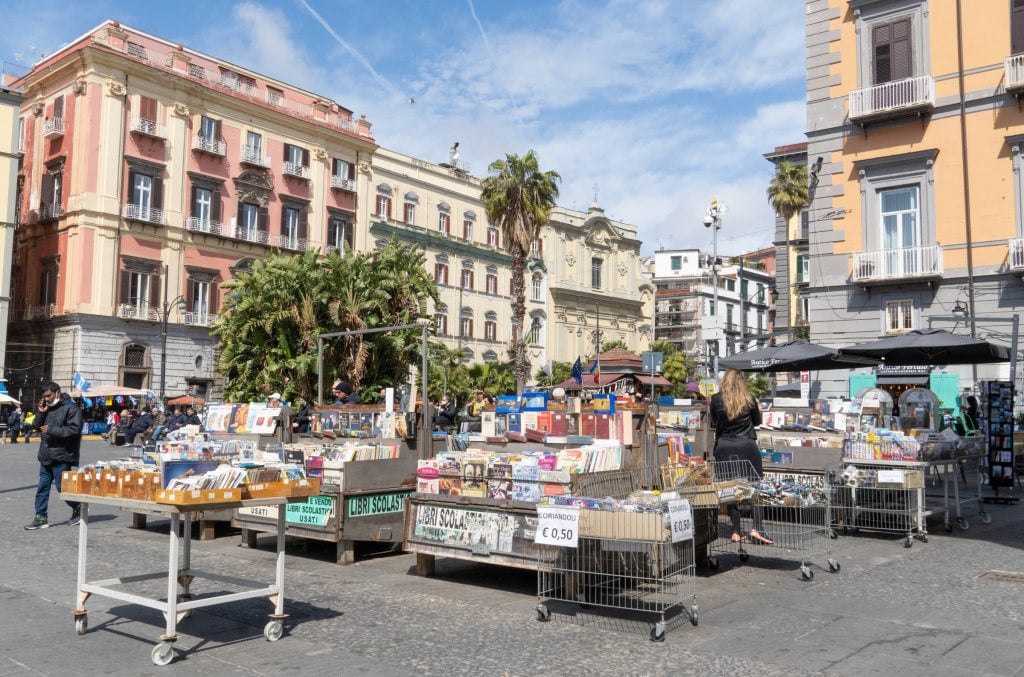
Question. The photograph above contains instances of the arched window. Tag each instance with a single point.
(444, 218)
(466, 323)
(384, 201)
(536, 336)
(468, 273)
(468, 219)
(537, 287)
(490, 357)
(467, 355)
(491, 326)
(135, 366)
(411, 200)
(441, 319)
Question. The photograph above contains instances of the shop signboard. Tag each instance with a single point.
(482, 532)
(315, 511)
(376, 504)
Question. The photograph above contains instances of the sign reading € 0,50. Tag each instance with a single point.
(558, 525)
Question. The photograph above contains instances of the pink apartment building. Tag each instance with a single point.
(150, 174)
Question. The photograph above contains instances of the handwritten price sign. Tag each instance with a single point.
(680, 517)
(557, 525)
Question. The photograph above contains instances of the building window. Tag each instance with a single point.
(48, 284)
(891, 51)
(1017, 27)
(254, 145)
(891, 46)
(805, 308)
(467, 229)
(596, 265)
(899, 212)
(249, 221)
(275, 97)
(728, 316)
(296, 156)
(140, 289)
(209, 129)
(677, 263)
(293, 226)
(899, 316)
(146, 193)
(410, 213)
(537, 248)
(492, 283)
(537, 287)
(384, 201)
(803, 268)
(490, 330)
(466, 325)
(711, 308)
(467, 278)
(730, 285)
(493, 237)
(200, 303)
(444, 221)
(340, 233)
(441, 273)
(898, 201)
(205, 206)
(760, 322)
(536, 337)
(441, 322)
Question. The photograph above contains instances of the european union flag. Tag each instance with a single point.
(577, 371)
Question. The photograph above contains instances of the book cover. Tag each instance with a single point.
(499, 470)
(501, 489)
(544, 421)
(487, 423)
(603, 426)
(589, 425)
(428, 477)
(558, 424)
(500, 424)
(534, 435)
(525, 490)
(474, 474)
(515, 423)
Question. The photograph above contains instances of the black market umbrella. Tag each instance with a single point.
(931, 346)
(794, 356)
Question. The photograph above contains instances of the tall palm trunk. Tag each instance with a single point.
(520, 363)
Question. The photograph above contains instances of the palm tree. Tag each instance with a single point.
(518, 198)
(787, 191)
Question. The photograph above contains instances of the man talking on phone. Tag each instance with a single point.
(60, 441)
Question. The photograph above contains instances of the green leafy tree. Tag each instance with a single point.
(448, 374)
(518, 198)
(788, 190)
(759, 384)
(676, 368)
(560, 372)
(609, 345)
(665, 347)
(494, 379)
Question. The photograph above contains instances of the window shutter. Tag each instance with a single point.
(305, 157)
(46, 197)
(154, 291)
(213, 297)
(195, 201)
(126, 287)
(303, 223)
(334, 167)
(58, 107)
(216, 130)
(215, 206)
(287, 152)
(351, 172)
(131, 188)
(902, 65)
(158, 192)
(881, 39)
(1017, 27)
(263, 220)
(147, 108)
(190, 296)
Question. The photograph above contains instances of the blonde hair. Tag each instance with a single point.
(736, 395)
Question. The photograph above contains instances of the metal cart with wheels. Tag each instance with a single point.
(950, 471)
(886, 496)
(795, 515)
(179, 575)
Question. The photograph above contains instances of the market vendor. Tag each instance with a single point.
(343, 393)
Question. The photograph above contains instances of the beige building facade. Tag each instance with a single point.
(10, 157)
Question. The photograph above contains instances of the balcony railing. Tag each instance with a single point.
(53, 128)
(1014, 71)
(130, 311)
(897, 264)
(295, 169)
(140, 213)
(48, 212)
(893, 98)
(194, 223)
(343, 183)
(148, 128)
(246, 235)
(208, 145)
(294, 244)
(42, 311)
(1017, 255)
(198, 319)
(252, 155)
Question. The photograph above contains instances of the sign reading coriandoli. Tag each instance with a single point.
(376, 504)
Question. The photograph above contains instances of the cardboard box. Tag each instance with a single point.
(198, 497)
(623, 526)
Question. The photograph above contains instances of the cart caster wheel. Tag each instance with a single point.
(693, 616)
(658, 632)
(81, 625)
(162, 654)
(949, 528)
(834, 566)
(833, 535)
(963, 523)
(806, 573)
(543, 615)
(924, 538)
(713, 563)
(744, 557)
(273, 630)
(985, 518)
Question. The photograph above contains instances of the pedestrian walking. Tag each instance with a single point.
(28, 425)
(14, 424)
(60, 441)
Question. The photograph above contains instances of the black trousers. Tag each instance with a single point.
(730, 452)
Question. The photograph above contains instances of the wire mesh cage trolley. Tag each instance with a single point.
(786, 516)
(626, 559)
(881, 497)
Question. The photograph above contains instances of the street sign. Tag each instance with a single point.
(652, 361)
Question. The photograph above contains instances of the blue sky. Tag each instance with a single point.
(662, 104)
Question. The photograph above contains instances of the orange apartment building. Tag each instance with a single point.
(915, 126)
(150, 174)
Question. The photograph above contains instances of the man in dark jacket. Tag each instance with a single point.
(14, 424)
(343, 393)
(60, 428)
(143, 423)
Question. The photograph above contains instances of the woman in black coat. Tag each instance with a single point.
(735, 415)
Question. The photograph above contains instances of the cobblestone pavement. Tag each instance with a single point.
(891, 610)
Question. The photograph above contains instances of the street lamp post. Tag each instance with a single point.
(713, 220)
(165, 315)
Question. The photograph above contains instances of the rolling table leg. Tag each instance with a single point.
(80, 614)
(171, 614)
(184, 577)
(274, 628)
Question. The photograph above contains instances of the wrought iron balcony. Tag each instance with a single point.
(198, 319)
(130, 311)
(888, 265)
(53, 128)
(47, 212)
(247, 235)
(343, 183)
(1017, 255)
(295, 169)
(893, 99)
(209, 145)
(148, 128)
(42, 311)
(1013, 67)
(251, 155)
(140, 213)
(196, 224)
(294, 244)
